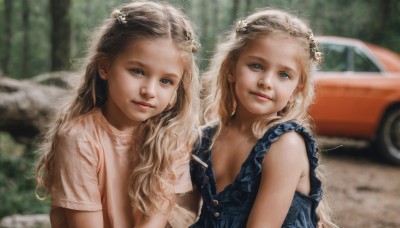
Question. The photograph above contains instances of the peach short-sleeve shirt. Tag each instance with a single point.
(91, 171)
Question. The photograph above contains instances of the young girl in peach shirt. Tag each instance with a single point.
(117, 152)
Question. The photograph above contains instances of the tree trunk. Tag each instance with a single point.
(187, 7)
(248, 7)
(385, 14)
(205, 30)
(25, 42)
(7, 36)
(235, 10)
(61, 34)
(216, 18)
(25, 104)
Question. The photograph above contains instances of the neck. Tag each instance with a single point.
(243, 121)
(120, 123)
(241, 124)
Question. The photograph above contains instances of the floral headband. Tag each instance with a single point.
(121, 18)
(316, 56)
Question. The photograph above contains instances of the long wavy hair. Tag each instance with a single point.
(219, 104)
(162, 139)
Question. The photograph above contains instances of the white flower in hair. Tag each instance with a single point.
(120, 16)
(241, 26)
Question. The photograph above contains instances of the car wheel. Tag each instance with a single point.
(389, 136)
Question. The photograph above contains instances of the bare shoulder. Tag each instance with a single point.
(290, 148)
(289, 140)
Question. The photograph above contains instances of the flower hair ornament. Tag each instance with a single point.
(241, 26)
(314, 53)
(120, 16)
(194, 45)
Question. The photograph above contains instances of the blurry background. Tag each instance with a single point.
(44, 36)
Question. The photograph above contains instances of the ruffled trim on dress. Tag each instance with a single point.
(246, 180)
(254, 162)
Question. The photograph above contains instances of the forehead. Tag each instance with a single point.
(276, 49)
(273, 41)
(161, 54)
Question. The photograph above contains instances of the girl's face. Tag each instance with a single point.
(265, 76)
(142, 80)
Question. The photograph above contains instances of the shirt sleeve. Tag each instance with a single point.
(182, 174)
(75, 180)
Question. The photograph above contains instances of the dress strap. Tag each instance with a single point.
(202, 156)
(203, 143)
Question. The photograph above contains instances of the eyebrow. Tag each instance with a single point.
(140, 64)
(256, 57)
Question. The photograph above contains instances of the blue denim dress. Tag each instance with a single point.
(231, 207)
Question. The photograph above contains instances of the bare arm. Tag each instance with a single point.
(158, 218)
(281, 170)
(77, 219)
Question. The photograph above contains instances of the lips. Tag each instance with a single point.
(262, 95)
(143, 104)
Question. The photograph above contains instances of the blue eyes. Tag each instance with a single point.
(284, 75)
(137, 71)
(258, 67)
(166, 81)
(140, 72)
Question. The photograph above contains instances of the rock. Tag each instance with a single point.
(26, 221)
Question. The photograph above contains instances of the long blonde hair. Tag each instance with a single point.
(162, 138)
(218, 101)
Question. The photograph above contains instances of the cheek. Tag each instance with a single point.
(289, 92)
(244, 81)
(126, 85)
(166, 96)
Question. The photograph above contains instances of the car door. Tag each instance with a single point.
(347, 92)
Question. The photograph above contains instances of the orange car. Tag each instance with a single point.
(358, 94)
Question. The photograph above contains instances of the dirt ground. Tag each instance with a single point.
(363, 191)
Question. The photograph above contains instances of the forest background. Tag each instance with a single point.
(40, 36)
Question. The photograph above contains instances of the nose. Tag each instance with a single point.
(265, 81)
(148, 89)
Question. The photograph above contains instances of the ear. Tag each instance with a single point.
(231, 73)
(229, 66)
(103, 66)
(231, 78)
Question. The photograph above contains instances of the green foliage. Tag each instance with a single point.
(16, 182)
(370, 20)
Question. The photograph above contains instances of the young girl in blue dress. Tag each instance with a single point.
(259, 156)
